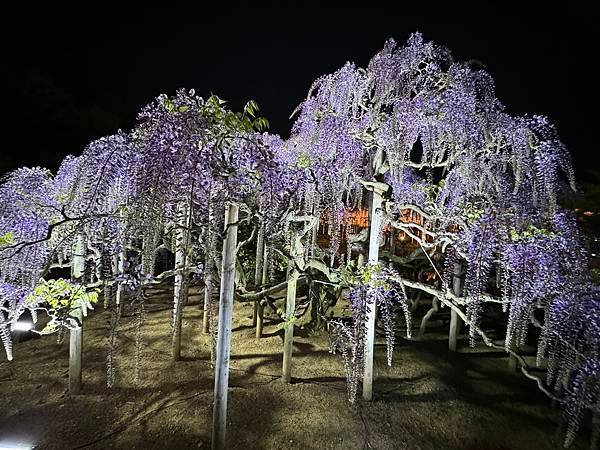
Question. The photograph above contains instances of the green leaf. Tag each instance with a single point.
(304, 161)
(7, 238)
(261, 123)
(169, 105)
(49, 328)
(250, 109)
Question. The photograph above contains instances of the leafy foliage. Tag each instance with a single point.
(60, 298)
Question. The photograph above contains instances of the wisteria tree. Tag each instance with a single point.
(107, 213)
(428, 136)
(417, 138)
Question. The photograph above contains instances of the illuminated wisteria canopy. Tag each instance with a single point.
(403, 179)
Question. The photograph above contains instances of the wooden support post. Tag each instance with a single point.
(75, 354)
(314, 235)
(290, 311)
(513, 363)
(180, 289)
(296, 251)
(76, 334)
(312, 296)
(209, 270)
(255, 312)
(224, 334)
(121, 258)
(455, 322)
(367, 391)
(148, 259)
(260, 242)
(360, 261)
(208, 289)
(454, 330)
(260, 319)
(260, 316)
(120, 271)
(78, 260)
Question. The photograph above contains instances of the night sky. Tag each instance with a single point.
(71, 76)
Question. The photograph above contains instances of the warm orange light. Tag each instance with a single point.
(352, 221)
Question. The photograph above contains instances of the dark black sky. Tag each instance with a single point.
(71, 76)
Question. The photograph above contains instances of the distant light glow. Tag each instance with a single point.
(21, 326)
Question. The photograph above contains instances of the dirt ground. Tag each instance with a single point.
(426, 400)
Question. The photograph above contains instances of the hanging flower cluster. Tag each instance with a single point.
(372, 286)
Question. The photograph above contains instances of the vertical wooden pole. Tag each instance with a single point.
(260, 319)
(288, 342)
(148, 259)
(312, 297)
(78, 261)
(208, 289)
(209, 268)
(513, 363)
(455, 322)
(224, 335)
(314, 236)
(180, 289)
(121, 257)
(360, 261)
(120, 271)
(260, 242)
(255, 312)
(290, 311)
(454, 329)
(260, 316)
(76, 335)
(75, 354)
(367, 391)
